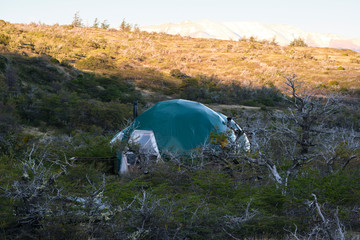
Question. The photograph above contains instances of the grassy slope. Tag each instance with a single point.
(149, 57)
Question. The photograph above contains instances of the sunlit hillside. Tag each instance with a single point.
(149, 58)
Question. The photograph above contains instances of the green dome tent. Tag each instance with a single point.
(177, 126)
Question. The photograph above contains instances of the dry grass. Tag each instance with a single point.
(143, 56)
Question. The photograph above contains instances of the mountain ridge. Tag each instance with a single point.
(281, 33)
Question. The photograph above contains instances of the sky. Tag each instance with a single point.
(325, 16)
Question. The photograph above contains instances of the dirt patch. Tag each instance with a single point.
(220, 107)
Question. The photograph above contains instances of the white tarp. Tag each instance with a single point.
(146, 140)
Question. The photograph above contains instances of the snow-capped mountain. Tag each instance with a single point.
(283, 34)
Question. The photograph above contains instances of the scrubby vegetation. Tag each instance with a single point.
(153, 57)
(47, 94)
(300, 180)
(298, 42)
(296, 182)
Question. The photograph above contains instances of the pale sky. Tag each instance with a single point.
(326, 16)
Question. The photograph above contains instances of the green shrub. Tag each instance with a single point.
(4, 39)
(8, 128)
(333, 83)
(298, 42)
(54, 60)
(251, 103)
(3, 23)
(93, 63)
(3, 62)
(340, 188)
(109, 116)
(266, 101)
(94, 44)
(178, 74)
(344, 89)
(340, 68)
(104, 88)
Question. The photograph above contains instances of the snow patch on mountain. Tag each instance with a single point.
(283, 34)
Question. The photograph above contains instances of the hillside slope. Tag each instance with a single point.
(148, 58)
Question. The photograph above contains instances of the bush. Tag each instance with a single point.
(54, 60)
(4, 39)
(3, 23)
(93, 63)
(340, 188)
(298, 42)
(210, 90)
(3, 62)
(8, 128)
(104, 88)
(109, 116)
(333, 83)
(340, 68)
(178, 74)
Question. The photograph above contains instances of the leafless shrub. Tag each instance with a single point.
(328, 225)
(232, 222)
(294, 135)
(307, 112)
(339, 148)
(35, 191)
(149, 216)
(236, 221)
(43, 208)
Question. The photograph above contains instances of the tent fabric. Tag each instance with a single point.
(180, 124)
(146, 141)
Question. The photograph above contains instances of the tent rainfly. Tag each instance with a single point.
(175, 126)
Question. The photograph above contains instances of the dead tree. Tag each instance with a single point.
(34, 192)
(308, 110)
(304, 122)
(292, 134)
(262, 151)
(149, 217)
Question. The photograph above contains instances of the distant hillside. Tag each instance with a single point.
(283, 34)
(150, 59)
